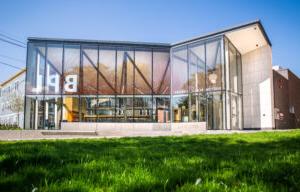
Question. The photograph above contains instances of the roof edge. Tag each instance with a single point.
(99, 41)
(13, 77)
(221, 32)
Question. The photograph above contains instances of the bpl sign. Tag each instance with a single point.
(70, 83)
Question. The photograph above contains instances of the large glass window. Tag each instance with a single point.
(124, 108)
(142, 108)
(161, 109)
(35, 72)
(180, 70)
(70, 109)
(107, 66)
(215, 110)
(143, 72)
(180, 105)
(89, 69)
(197, 67)
(233, 69)
(214, 65)
(53, 111)
(125, 62)
(71, 69)
(88, 106)
(34, 112)
(161, 72)
(54, 61)
(106, 108)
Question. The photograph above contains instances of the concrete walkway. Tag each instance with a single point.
(14, 135)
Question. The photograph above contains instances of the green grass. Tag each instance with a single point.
(265, 161)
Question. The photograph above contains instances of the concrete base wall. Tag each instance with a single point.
(98, 130)
(135, 127)
(258, 99)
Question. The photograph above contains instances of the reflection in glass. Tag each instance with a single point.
(54, 68)
(106, 108)
(214, 64)
(34, 112)
(197, 107)
(35, 68)
(180, 105)
(89, 69)
(143, 72)
(161, 109)
(88, 106)
(124, 108)
(125, 60)
(161, 72)
(180, 70)
(142, 108)
(71, 69)
(215, 110)
(70, 109)
(197, 67)
(53, 110)
(107, 65)
(233, 69)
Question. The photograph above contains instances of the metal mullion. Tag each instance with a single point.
(152, 90)
(97, 96)
(81, 83)
(205, 86)
(116, 82)
(44, 83)
(25, 93)
(63, 77)
(225, 80)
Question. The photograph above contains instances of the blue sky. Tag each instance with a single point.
(166, 21)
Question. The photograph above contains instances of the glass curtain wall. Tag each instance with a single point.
(206, 83)
(90, 82)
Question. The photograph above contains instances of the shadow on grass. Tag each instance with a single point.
(193, 163)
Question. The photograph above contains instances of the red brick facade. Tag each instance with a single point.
(286, 99)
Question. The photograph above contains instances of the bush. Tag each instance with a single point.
(9, 127)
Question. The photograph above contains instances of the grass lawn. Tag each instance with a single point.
(265, 161)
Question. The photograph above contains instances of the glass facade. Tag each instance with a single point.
(108, 82)
(95, 82)
(207, 83)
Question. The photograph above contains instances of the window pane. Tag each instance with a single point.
(197, 107)
(214, 65)
(125, 61)
(180, 71)
(35, 72)
(197, 67)
(88, 108)
(142, 108)
(161, 73)
(106, 109)
(124, 108)
(54, 68)
(53, 107)
(233, 69)
(239, 72)
(215, 110)
(180, 104)
(89, 69)
(143, 72)
(107, 65)
(70, 109)
(161, 108)
(34, 112)
(71, 69)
